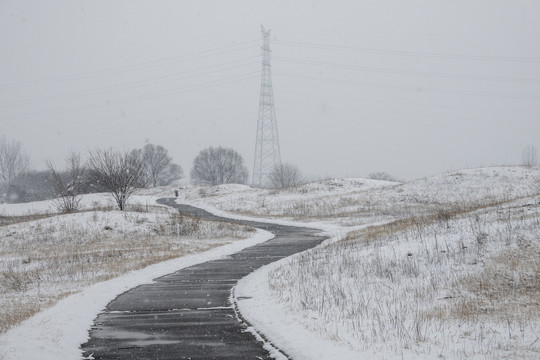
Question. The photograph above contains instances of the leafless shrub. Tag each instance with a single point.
(285, 176)
(116, 172)
(67, 188)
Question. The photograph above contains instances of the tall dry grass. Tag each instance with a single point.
(467, 276)
(43, 260)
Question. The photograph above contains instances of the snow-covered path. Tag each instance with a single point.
(188, 314)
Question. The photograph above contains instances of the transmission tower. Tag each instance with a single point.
(267, 155)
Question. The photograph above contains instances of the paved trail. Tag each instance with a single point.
(187, 314)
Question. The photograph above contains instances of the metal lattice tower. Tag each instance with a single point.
(267, 154)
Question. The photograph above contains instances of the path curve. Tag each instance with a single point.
(188, 314)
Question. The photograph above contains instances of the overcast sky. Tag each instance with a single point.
(413, 88)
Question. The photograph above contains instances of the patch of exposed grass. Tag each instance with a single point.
(507, 289)
(468, 276)
(43, 260)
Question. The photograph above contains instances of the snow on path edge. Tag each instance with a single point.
(58, 332)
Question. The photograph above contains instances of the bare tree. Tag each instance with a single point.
(31, 185)
(381, 175)
(214, 166)
(170, 174)
(13, 161)
(158, 166)
(116, 172)
(67, 186)
(529, 156)
(286, 175)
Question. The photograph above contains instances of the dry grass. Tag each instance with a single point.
(44, 260)
(465, 275)
(10, 220)
(351, 202)
(507, 289)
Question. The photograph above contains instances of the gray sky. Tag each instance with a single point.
(412, 88)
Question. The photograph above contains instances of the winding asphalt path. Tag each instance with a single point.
(187, 314)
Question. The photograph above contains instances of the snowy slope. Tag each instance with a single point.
(57, 332)
(496, 204)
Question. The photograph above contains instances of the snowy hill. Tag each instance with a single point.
(441, 267)
(361, 201)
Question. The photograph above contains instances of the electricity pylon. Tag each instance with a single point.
(267, 154)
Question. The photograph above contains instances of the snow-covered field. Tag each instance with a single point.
(453, 272)
(443, 267)
(458, 278)
(350, 202)
(45, 257)
(464, 287)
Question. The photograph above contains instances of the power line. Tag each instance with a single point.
(126, 68)
(214, 83)
(402, 72)
(407, 53)
(412, 89)
(135, 84)
(149, 96)
(238, 63)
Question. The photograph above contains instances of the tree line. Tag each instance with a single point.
(105, 170)
(120, 173)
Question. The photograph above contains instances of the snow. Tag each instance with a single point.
(351, 202)
(89, 201)
(338, 207)
(327, 302)
(288, 330)
(285, 329)
(58, 332)
(47, 206)
(494, 202)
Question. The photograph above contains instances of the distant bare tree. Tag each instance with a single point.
(116, 172)
(67, 185)
(13, 161)
(286, 175)
(529, 156)
(31, 185)
(158, 167)
(170, 174)
(381, 175)
(214, 166)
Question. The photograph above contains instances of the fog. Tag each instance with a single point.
(411, 88)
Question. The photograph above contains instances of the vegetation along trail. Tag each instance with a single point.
(188, 314)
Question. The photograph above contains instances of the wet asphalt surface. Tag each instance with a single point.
(187, 314)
